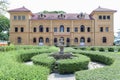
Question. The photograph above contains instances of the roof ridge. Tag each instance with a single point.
(21, 9)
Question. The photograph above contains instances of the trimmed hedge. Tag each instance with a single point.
(80, 62)
(45, 60)
(7, 48)
(111, 49)
(95, 56)
(10, 69)
(101, 49)
(107, 73)
(24, 56)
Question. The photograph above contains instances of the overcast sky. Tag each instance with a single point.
(69, 6)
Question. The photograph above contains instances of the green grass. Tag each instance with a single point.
(13, 68)
(110, 72)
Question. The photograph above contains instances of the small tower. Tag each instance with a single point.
(19, 25)
(103, 26)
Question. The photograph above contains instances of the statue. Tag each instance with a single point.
(61, 46)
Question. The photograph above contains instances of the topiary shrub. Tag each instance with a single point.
(45, 60)
(101, 49)
(83, 48)
(119, 50)
(111, 49)
(98, 57)
(80, 62)
(11, 69)
(93, 48)
(62, 56)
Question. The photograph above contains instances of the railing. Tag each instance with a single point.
(62, 33)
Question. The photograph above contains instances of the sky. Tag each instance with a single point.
(69, 6)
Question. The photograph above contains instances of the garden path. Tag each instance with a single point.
(56, 76)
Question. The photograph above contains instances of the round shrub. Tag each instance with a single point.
(62, 56)
(93, 48)
(44, 59)
(101, 49)
(80, 62)
(119, 50)
(83, 48)
(111, 49)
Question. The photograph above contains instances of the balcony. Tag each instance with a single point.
(61, 33)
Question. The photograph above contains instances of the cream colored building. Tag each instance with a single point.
(94, 29)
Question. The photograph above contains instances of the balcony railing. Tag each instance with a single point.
(62, 33)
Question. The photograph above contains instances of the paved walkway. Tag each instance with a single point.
(56, 76)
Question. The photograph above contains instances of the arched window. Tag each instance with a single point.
(34, 40)
(82, 39)
(41, 40)
(55, 40)
(88, 40)
(68, 40)
(19, 39)
(76, 40)
(41, 28)
(104, 39)
(61, 28)
(34, 29)
(47, 40)
(82, 28)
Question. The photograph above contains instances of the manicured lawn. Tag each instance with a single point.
(12, 65)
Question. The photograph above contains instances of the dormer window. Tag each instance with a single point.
(81, 15)
(41, 15)
(61, 16)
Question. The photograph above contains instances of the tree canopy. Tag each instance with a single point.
(45, 11)
(4, 27)
(4, 23)
(3, 6)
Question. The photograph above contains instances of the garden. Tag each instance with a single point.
(13, 58)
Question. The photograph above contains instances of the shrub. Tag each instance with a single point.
(45, 60)
(79, 62)
(101, 49)
(119, 50)
(111, 49)
(10, 69)
(93, 48)
(7, 48)
(95, 56)
(105, 73)
(26, 55)
(83, 48)
(62, 56)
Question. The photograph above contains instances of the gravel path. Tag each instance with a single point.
(56, 76)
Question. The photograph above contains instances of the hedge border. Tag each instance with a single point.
(80, 62)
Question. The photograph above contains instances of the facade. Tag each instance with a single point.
(94, 29)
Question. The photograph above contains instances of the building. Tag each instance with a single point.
(94, 29)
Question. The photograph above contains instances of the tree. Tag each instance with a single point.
(4, 27)
(45, 11)
(3, 6)
(4, 23)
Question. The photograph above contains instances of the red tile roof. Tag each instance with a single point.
(22, 9)
(68, 16)
(99, 9)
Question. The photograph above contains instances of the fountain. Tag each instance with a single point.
(61, 46)
(61, 54)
